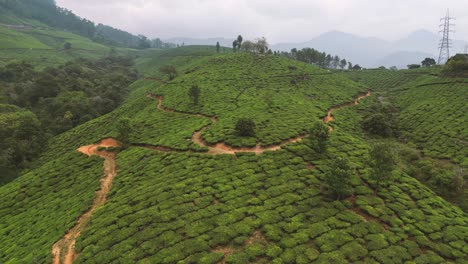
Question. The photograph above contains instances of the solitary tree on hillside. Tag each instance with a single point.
(239, 41)
(169, 70)
(338, 177)
(261, 45)
(194, 94)
(217, 47)
(319, 135)
(67, 45)
(245, 127)
(383, 162)
(428, 62)
(124, 130)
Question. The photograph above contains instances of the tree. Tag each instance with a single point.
(143, 42)
(458, 180)
(245, 127)
(350, 66)
(239, 41)
(169, 70)
(428, 62)
(378, 124)
(382, 162)
(357, 67)
(217, 47)
(234, 45)
(249, 46)
(319, 135)
(124, 130)
(393, 68)
(67, 45)
(261, 45)
(338, 177)
(194, 94)
(343, 63)
(413, 66)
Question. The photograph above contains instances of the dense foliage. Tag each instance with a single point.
(37, 104)
(21, 137)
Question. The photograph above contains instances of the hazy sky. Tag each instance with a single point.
(278, 20)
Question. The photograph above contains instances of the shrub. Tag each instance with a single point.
(383, 161)
(319, 135)
(169, 70)
(245, 127)
(338, 177)
(194, 94)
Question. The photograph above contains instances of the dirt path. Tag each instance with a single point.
(63, 250)
(329, 117)
(223, 148)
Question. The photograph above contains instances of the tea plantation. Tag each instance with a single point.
(185, 206)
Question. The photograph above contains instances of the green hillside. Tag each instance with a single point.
(175, 201)
(45, 47)
(432, 120)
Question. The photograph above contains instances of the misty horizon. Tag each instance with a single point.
(279, 23)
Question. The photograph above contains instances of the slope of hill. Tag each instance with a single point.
(45, 47)
(432, 120)
(172, 200)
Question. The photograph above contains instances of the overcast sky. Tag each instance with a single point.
(277, 20)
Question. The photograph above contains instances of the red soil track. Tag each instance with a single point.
(63, 250)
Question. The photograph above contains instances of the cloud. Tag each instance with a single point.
(278, 20)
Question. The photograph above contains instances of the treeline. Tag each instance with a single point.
(307, 55)
(47, 12)
(53, 100)
(321, 59)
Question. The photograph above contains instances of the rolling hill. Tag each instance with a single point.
(172, 199)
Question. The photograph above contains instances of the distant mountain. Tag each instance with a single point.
(356, 49)
(225, 42)
(374, 52)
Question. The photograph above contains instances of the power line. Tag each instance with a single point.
(445, 43)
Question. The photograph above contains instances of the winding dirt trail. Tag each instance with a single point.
(329, 117)
(63, 250)
(223, 148)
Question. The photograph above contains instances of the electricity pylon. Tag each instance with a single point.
(445, 43)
